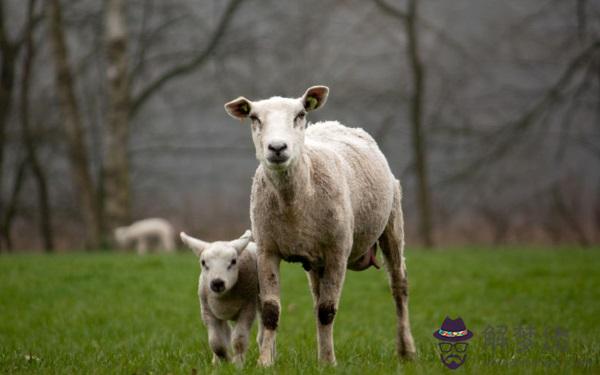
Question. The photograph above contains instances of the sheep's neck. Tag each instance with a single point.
(293, 182)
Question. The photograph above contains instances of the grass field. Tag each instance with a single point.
(120, 313)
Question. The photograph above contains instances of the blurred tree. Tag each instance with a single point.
(9, 48)
(73, 126)
(116, 164)
(28, 138)
(409, 20)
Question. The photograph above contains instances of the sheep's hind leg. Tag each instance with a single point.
(392, 246)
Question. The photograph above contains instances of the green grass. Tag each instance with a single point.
(119, 313)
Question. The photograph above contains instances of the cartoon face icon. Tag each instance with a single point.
(453, 346)
(453, 354)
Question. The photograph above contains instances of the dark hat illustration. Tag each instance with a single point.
(453, 330)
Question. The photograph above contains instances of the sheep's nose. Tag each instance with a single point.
(277, 146)
(217, 285)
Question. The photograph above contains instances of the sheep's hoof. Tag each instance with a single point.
(265, 360)
(238, 361)
(408, 355)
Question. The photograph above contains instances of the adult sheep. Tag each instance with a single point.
(323, 195)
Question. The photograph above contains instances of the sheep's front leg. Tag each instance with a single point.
(330, 289)
(268, 278)
(241, 331)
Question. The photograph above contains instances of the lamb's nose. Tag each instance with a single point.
(277, 146)
(217, 285)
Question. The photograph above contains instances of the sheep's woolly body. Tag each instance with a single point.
(342, 187)
(142, 231)
(323, 196)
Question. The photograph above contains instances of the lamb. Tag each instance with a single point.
(143, 231)
(228, 291)
(322, 195)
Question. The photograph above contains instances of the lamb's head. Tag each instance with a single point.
(278, 125)
(219, 260)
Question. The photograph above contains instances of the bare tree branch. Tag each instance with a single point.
(508, 135)
(190, 66)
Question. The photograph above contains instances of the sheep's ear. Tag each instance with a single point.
(239, 108)
(195, 244)
(241, 243)
(315, 97)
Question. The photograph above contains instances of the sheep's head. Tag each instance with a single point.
(219, 260)
(278, 124)
(121, 236)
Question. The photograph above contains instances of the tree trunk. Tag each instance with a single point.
(116, 164)
(73, 126)
(28, 139)
(13, 204)
(416, 119)
(8, 55)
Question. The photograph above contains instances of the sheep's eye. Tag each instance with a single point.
(233, 262)
(203, 263)
(300, 115)
(254, 118)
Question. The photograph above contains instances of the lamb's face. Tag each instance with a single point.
(278, 125)
(219, 260)
(219, 264)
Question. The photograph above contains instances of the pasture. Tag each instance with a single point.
(121, 313)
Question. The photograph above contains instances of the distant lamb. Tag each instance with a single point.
(324, 196)
(228, 291)
(143, 232)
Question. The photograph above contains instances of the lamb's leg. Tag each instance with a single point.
(218, 340)
(268, 278)
(330, 290)
(392, 246)
(241, 332)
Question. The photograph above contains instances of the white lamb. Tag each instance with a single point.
(143, 231)
(324, 196)
(228, 291)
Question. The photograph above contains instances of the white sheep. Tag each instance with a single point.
(143, 231)
(324, 196)
(228, 291)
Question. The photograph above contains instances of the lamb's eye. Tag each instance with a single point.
(254, 119)
(300, 116)
(203, 263)
(233, 262)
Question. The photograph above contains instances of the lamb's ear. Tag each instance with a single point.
(315, 97)
(197, 246)
(241, 243)
(239, 108)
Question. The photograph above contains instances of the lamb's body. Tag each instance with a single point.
(243, 295)
(143, 231)
(350, 190)
(239, 305)
(228, 292)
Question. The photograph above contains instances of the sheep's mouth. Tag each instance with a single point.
(278, 161)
